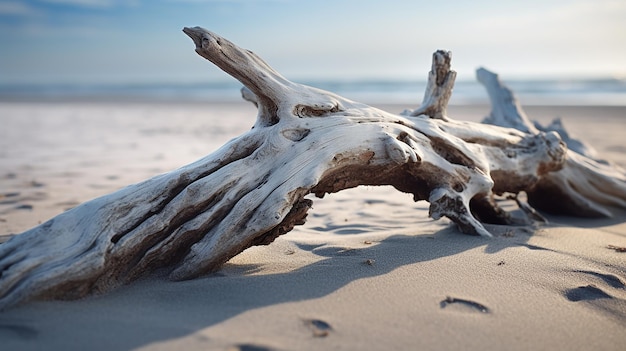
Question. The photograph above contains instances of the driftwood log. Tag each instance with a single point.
(190, 221)
(586, 185)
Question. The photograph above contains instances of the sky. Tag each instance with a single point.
(140, 41)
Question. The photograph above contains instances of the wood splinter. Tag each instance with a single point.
(190, 221)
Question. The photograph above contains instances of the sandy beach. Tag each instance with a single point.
(368, 271)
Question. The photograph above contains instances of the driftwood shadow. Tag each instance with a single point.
(158, 306)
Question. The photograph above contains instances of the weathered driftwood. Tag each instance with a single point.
(586, 185)
(190, 221)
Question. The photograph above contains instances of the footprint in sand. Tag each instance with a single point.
(22, 207)
(596, 296)
(18, 201)
(319, 328)
(9, 198)
(463, 305)
(250, 347)
(609, 279)
(585, 293)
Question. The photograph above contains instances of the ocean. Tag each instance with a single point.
(595, 92)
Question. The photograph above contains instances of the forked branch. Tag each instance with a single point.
(305, 141)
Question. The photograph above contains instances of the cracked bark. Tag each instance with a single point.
(190, 221)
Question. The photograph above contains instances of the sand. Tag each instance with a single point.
(368, 271)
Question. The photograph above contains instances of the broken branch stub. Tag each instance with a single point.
(438, 89)
(190, 221)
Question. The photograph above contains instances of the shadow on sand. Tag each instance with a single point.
(110, 321)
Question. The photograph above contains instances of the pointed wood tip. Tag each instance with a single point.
(484, 75)
(196, 34)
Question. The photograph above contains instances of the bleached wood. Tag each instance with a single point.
(190, 221)
(438, 89)
(586, 186)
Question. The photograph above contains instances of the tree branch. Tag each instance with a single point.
(190, 221)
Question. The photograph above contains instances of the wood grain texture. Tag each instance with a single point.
(190, 221)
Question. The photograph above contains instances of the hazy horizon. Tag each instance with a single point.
(141, 42)
(597, 92)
